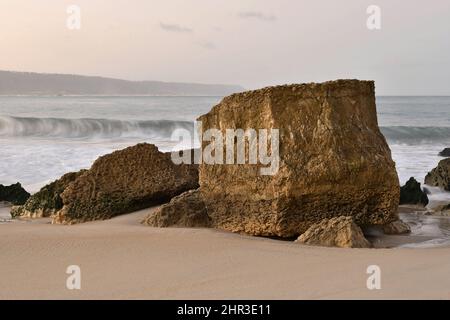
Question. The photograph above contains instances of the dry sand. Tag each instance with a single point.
(121, 259)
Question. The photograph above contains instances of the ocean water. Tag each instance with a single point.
(417, 129)
(41, 138)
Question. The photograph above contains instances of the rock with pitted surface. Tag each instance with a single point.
(125, 181)
(412, 193)
(48, 200)
(186, 211)
(445, 153)
(340, 232)
(333, 159)
(396, 227)
(14, 194)
(440, 176)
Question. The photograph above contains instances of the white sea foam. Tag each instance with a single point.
(58, 128)
(435, 227)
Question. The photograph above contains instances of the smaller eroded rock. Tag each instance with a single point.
(48, 200)
(396, 227)
(124, 181)
(186, 211)
(336, 232)
(440, 176)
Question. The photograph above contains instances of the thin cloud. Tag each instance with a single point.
(256, 15)
(207, 45)
(175, 28)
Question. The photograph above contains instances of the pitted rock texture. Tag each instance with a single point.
(440, 176)
(185, 211)
(125, 181)
(334, 160)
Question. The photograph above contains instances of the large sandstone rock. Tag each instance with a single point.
(440, 176)
(339, 232)
(186, 210)
(48, 200)
(334, 160)
(14, 194)
(412, 193)
(124, 181)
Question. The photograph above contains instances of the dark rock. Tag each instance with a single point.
(186, 210)
(440, 176)
(14, 194)
(445, 152)
(411, 193)
(48, 200)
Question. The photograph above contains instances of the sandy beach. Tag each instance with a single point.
(121, 259)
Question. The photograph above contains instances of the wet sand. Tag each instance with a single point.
(121, 259)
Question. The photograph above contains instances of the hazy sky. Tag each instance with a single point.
(253, 43)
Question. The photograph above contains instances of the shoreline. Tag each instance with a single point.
(414, 215)
(122, 259)
(5, 208)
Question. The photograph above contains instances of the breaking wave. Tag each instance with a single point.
(88, 128)
(107, 128)
(416, 134)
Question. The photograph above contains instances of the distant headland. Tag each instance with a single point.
(28, 83)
